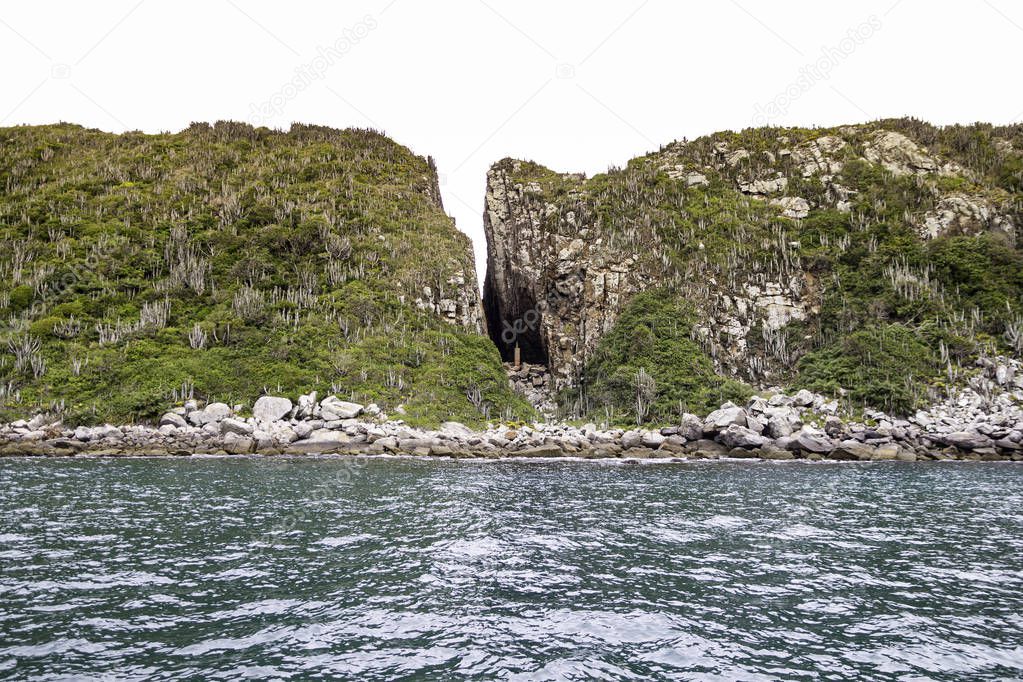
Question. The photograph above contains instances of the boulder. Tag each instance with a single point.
(107, 432)
(813, 440)
(307, 407)
(803, 398)
(773, 452)
(270, 408)
(332, 408)
(652, 440)
(736, 436)
(889, 451)
(779, 426)
(631, 439)
(691, 427)
(214, 412)
(455, 429)
(236, 426)
(722, 418)
(706, 448)
(172, 419)
(539, 451)
(756, 424)
(238, 445)
(834, 427)
(852, 450)
(319, 441)
(967, 440)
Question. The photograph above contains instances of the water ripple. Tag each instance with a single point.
(214, 568)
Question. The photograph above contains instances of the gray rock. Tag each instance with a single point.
(214, 412)
(107, 432)
(307, 406)
(967, 440)
(236, 426)
(779, 426)
(172, 419)
(803, 398)
(736, 436)
(834, 427)
(691, 427)
(319, 441)
(652, 440)
(707, 448)
(270, 408)
(756, 424)
(756, 405)
(540, 451)
(236, 444)
(631, 439)
(722, 418)
(852, 450)
(412, 444)
(773, 452)
(455, 429)
(813, 440)
(332, 408)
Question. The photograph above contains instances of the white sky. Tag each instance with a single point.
(577, 86)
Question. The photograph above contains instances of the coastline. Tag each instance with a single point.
(803, 426)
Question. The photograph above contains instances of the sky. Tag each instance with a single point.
(576, 86)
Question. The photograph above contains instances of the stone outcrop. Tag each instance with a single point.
(962, 214)
(553, 286)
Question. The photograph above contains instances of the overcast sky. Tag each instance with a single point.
(577, 86)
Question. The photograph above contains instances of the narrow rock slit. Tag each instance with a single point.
(515, 322)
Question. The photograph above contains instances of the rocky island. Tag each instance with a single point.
(851, 293)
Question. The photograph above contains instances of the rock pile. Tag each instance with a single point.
(982, 423)
(533, 382)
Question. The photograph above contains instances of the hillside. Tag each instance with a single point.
(876, 263)
(223, 262)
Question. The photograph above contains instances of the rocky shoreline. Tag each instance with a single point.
(981, 422)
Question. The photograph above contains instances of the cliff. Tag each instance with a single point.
(225, 261)
(873, 262)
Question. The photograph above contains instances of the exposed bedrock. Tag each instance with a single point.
(552, 287)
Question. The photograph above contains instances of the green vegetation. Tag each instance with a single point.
(224, 262)
(648, 368)
(884, 366)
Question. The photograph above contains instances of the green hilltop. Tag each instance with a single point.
(224, 262)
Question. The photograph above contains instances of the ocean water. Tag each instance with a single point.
(372, 569)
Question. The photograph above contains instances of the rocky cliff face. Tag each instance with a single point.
(768, 234)
(553, 286)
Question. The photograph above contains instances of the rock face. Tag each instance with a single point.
(567, 254)
(552, 286)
